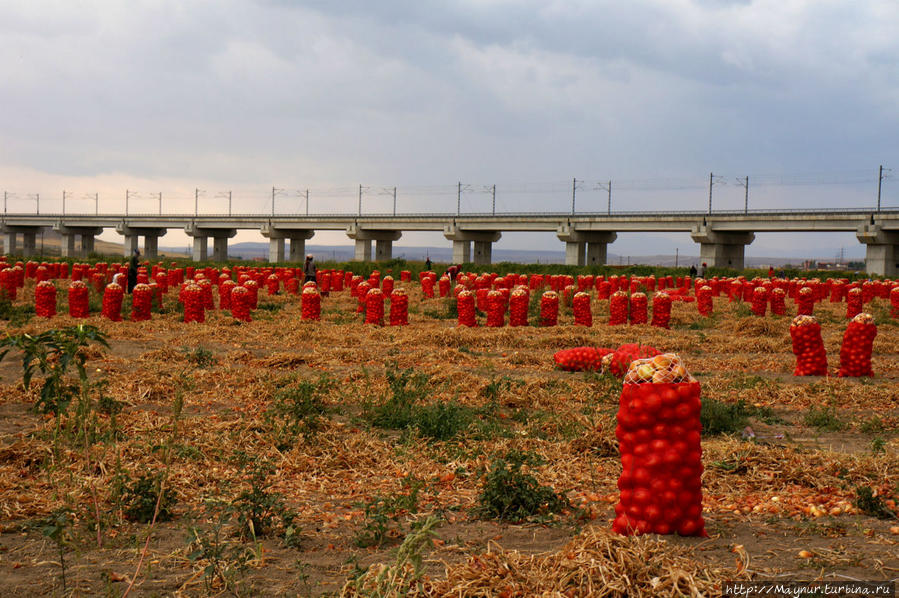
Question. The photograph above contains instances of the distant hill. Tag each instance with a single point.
(444, 255)
(50, 242)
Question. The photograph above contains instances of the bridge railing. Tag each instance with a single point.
(450, 215)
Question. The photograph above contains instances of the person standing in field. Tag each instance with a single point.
(132, 270)
(452, 271)
(702, 270)
(693, 271)
(428, 264)
(309, 269)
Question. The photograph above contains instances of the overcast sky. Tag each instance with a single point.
(170, 96)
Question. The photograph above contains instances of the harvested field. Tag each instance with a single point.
(300, 455)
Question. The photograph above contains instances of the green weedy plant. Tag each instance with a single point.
(511, 495)
(872, 505)
(442, 420)
(260, 512)
(16, 315)
(824, 418)
(51, 354)
(382, 514)
(404, 575)
(225, 560)
(723, 418)
(406, 388)
(297, 410)
(140, 497)
(58, 527)
(199, 356)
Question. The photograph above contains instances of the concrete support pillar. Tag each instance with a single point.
(461, 252)
(721, 249)
(585, 247)
(597, 253)
(29, 244)
(575, 253)
(276, 250)
(462, 240)
(277, 238)
(9, 243)
(383, 250)
(220, 249)
(87, 244)
(363, 250)
(130, 245)
(201, 236)
(483, 252)
(297, 249)
(151, 247)
(881, 249)
(67, 245)
(10, 246)
(200, 248)
(364, 237)
(132, 235)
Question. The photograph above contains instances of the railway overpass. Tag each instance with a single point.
(722, 235)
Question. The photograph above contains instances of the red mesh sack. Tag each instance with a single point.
(805, 301)
(387, 286)
(549, 308)
(618, 362)
(858, 343)
(194, 304)
(427, 287)
(661, 309)
(141, 302)
(374, 307)
(496, 310)
(362, 290)
(240, 304)
(853, 303)
(45, 298)
(581, 359)
(9, 283)
(894, 302)
(112, 302)
(519, 301)
(272, 284)
(465, 308)
(252, 288)
(760, 301)
(399, 307)
(310, 304)
(638, 308)
(778, 302)
(581, 307)
(79, 306)
(808, 347)
(225, 290)
(659, 438)
(618, 304)
(704, 302)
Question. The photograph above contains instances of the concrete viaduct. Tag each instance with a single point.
(722, 236)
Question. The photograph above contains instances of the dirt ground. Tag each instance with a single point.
(778, 504)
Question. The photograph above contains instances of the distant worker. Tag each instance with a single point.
(309, 269)
(428, 264)
(452, 271)
(770, 271)
(693, 271)
(702, 270)
(132, 270)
